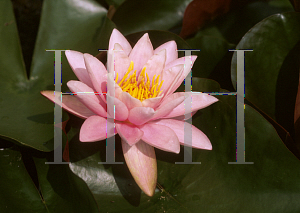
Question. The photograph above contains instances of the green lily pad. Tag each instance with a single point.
(59, 189)
(201, 85)
(133, 15)
(272, 69)
(24, 192)
(234, 25)
(213, 48)
(26, 116)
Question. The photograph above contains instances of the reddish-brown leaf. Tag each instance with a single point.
(198, 12)
(296, 5)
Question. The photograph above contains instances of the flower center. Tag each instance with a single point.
(139, 87)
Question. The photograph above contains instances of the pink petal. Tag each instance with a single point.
(94, 129)
(70, 103)
(129, 133)
(171, 48)
(117, 37)
(170, 77)
(141, 115)
(187, 69)
(182, 60)
(120, 109)
(184, 118)
(199, 101)
(156, 64)
(112, 87)
(86, 95)
(199, 139)
(169, 98)
(141, 161)
(77, 64)
(141, 52)
(121, 62)
(161, 137)
(129, 101)
(152, 102)
(96, 70)
(168, 104)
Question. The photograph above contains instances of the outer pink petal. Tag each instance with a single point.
(141, 115)
(120, 109)
(70, 103)
(94, 129)
(156, 64)
(171, 48)
(199, 101)
(117, 37)
(77, 64)
(161, 137)
(129, 133)
(129, 101)
(141, 52)
(96, 70)
(168, 105)
(86, 95)
(141, 161)
(184, 118)
(174, 96)
(199, 139)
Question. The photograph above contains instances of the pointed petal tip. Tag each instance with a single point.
(177, 151)
(145, 35)
(212, 99)
(43, 92)
(70, 53)
(141, 161)
(147, 38)
(117, 37)
(71, 83)
(149, 192)
(208, 146)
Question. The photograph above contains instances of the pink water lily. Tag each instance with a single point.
(147, 111)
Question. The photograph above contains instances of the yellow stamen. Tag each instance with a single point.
(153, 80)
(140, 86)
